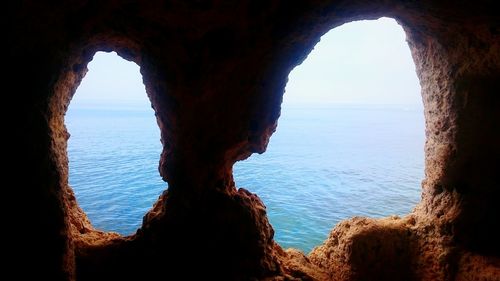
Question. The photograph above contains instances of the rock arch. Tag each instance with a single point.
(215, 72)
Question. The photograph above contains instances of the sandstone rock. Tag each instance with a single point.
(215, 72)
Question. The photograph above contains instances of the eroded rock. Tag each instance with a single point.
(215, 72)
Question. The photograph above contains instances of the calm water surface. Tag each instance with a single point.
(323, 164)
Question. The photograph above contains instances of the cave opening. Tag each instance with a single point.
(350, 139)
(114, 145)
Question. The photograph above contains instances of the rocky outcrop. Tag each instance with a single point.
(215, 72)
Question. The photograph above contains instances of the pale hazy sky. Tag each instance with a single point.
(364, 62)
(111, 82)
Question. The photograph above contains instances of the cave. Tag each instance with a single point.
(215, 72)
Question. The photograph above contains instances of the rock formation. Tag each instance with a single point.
(215, 72)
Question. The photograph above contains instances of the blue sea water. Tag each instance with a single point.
(324, 164)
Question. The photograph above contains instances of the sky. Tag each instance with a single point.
(111, 82)
(363, 62)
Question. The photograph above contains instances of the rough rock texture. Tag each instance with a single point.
(215, 72)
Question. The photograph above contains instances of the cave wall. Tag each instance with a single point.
(215, 72)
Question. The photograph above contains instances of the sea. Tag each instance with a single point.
(324, 164)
